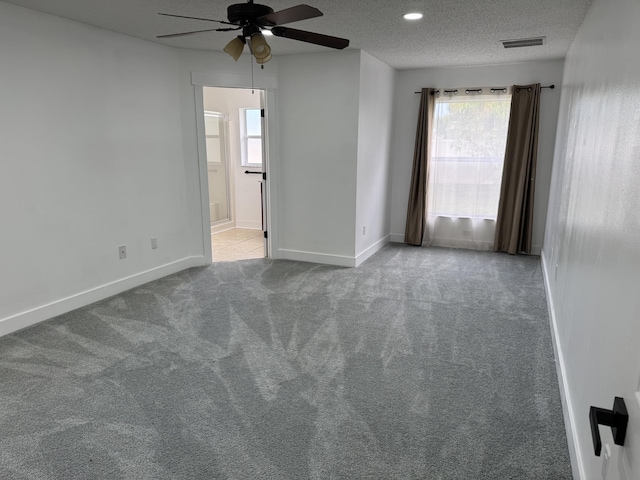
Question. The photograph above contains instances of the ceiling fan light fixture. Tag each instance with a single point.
(261, 61)
(235, 48)
(259, 46)
(412, 16)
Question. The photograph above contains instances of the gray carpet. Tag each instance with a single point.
(421, 363)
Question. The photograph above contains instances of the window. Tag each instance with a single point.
(251, 137)
(469, 139)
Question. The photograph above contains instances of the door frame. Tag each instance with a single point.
(268, 84)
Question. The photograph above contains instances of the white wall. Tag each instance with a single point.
(244, 189)
(318, 131)
(91, 158)
(406, 116)
(593, 231)
(375, 117)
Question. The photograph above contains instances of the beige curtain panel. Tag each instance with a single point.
(514, 225)
(417, 207)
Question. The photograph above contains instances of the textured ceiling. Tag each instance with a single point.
(452, 33)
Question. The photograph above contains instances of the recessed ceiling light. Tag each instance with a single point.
(412, 16)
(266, 33)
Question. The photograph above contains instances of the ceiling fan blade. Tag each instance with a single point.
(310, 37)
(288, 15)
(195, 18)
(171, 35)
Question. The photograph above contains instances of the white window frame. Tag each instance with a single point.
(244, 139)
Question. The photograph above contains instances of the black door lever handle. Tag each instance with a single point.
(617, 419)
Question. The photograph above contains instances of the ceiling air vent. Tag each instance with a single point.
(523, 42)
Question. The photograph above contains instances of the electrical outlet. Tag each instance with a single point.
(364, 230)
(122, 251)
(154, 242)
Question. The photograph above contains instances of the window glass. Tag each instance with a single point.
(254, 125)
(469, 140)
(254, 150)
(251, 137)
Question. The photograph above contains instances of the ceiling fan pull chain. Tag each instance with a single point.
(251, 62)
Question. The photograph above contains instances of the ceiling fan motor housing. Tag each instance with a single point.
(247, 13)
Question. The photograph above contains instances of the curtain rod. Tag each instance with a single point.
(469, 90)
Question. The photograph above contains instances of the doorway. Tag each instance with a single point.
(235, 151)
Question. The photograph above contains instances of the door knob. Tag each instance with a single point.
(617, 419)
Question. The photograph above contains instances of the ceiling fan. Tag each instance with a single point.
(252, 19)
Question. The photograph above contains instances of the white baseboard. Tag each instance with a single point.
(314, 257)
(249, 224)
(536, 250)
(222, 227)
(577, 466)
(371, 250)
(44, 312)
(329, 259)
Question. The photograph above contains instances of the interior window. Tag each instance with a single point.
(465, 174)
(469, 140)
(251, 137)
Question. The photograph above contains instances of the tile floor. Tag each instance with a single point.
(237, 244)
